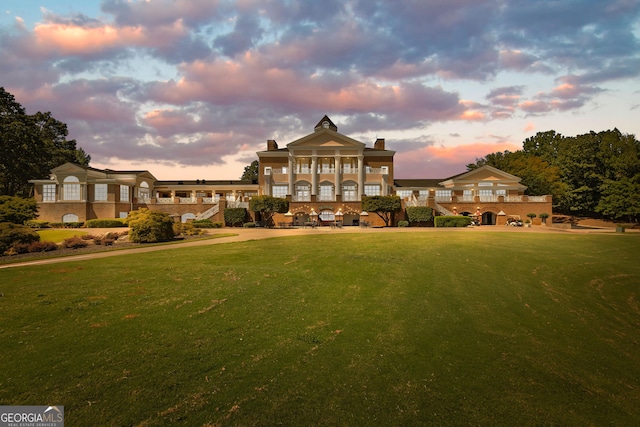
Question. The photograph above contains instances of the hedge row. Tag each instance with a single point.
(452, 221)
(105, 223)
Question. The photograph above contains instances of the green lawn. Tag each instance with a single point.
(442, 328)
(58, 235)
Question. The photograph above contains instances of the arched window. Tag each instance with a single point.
(143, 191)
(71, 188)
(70, 217)
(327, 215)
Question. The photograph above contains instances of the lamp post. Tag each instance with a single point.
(339, 218)
(313, 216)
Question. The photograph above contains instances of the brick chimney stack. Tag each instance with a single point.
(272, 145)
(379, 145)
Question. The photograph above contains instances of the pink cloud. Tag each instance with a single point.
(76, 40)
(438, 161)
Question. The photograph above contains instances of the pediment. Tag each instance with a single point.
(325, 138)
(482, 174)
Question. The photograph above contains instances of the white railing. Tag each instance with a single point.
(188, 200)
(326, 170)
(374, 171)
(443, 210)
(326, 198)
(296, 198)
(466, 199)
(278, 171)
(443, 199)
(238, 204)
(349, 198)
(164, 200)
(487, 198)
(209, 212)
(537, 199)
(513, 199)
(350, 170)
(208, 200)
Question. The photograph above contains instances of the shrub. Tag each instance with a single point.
(403, 223)
(419, 215)
(105, 223)
(18, 248)
(531, 215)
(186, 229)
(150, 226)
(235, 216)
(249, 225)
(15, 233)
(74, 242)
(78, 224)
(37, 223)
(42, 247)
(452, 221)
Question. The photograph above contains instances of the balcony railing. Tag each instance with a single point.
(188, 200)
(322, 198)
(443, 199)
(537, 199)
(164, 200)
(300, 198)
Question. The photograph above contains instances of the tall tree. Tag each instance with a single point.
(251, 172)
(30, 146)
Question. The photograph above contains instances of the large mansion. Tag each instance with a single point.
(323, 175)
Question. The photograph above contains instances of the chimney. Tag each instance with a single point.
(272, 145)
(379, 145)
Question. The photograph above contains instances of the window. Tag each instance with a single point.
(326, 192)
(143, 191)
(70, 217)
(280, 191)
(327, 215)
(371, 190)
(49, 193)
(101, 192)
(303, 193)
(124, 193)
(326, 165)
(443, 195)
(404, 194)
(124, 214)
(71, 188)
(349, 193)
(349, 165)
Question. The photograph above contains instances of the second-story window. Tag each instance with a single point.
(280, 191)
(371, 190)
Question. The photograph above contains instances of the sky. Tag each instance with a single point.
(191, 89)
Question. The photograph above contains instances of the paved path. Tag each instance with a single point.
(246, 234)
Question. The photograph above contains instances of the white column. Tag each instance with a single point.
(360, 176)
(314, 175)
(338, 175)
(290, 174)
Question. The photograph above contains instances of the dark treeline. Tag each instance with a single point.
(595, 174)
(30, 146)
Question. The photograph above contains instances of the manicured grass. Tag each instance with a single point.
(446, 328)
(58, 235)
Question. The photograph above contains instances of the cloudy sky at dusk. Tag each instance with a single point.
(193, 88)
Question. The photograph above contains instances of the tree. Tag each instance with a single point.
(251, 172)
(268, 206)
(383, 206)
(30, 146)
(235, 216)
(149, 226)
(17, 210)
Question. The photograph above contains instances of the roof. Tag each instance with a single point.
(417, 183)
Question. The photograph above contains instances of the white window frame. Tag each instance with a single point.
(71, 188)
(101, 192)
(372, 190)
(350, 193)
(143, 191)
(49, 193)
(124, 193)
(280, 191)
(327, 192)
(404, 194)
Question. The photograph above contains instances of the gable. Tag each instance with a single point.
(484, 173)
(325, 138)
